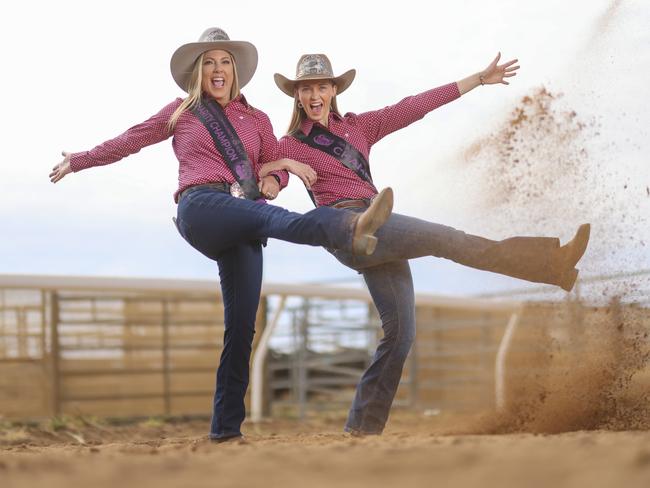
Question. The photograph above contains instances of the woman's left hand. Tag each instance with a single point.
(496, 73)
(61, 169)
(269, 187)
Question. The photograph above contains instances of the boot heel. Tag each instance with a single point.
(569, 280)
(364, 245)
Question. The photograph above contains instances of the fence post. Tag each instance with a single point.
(165, 358)
(301, 332)
(259, 358)
(43, 343)
(500, 366)
(55, 354)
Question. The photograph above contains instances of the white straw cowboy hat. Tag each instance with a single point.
(314, 67)
(244, 53)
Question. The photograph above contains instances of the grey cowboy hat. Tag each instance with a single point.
(314, 67)
(244, 53)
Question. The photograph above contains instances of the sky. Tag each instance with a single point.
(79, 73)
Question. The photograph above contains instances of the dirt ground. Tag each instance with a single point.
(415, 450)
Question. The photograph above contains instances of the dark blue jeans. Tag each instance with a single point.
(389, 281)
(230, 231)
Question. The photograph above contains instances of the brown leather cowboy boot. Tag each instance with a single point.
(363, 241)
(570, 254)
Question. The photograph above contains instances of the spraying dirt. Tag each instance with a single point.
(576, 368)
(575, 152)
(543, 167)
(547, 169)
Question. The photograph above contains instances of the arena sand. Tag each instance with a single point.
(414, 451)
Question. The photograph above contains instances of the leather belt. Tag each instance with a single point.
(359, 203)
(221, 187)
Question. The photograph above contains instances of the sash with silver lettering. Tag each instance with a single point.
(340, 149)
(229, 145)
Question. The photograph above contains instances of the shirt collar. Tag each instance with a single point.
(238, 100)
(241, 99)
(307, 124)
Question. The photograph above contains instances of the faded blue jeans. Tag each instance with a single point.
(388, 276)
(231, 231)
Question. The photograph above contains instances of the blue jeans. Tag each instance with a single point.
(231, 231)
(389, 281)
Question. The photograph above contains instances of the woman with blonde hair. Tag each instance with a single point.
(221, 143)
(337, 147)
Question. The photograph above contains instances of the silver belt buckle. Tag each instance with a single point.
(236, 190)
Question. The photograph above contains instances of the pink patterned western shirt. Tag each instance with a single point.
(199, 160)
(335, 181)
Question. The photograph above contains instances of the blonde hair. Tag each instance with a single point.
(299, 115)
(195, 91)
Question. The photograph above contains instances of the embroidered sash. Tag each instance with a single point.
(229, 145)
(340, 149)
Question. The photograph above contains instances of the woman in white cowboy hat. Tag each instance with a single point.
(337, 148)
(221, 143)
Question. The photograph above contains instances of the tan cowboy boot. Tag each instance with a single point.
(363, 241)
(570, 254)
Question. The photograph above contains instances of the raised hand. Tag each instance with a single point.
(61, 169)
(496, 73)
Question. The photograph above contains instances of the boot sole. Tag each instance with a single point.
(580, 240)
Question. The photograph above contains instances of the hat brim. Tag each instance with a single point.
(288, 86)
(182, 62)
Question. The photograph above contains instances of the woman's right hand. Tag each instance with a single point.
(61, 169)
(301, 170)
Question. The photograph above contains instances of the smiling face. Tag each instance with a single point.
(316, 99)
(217, 75)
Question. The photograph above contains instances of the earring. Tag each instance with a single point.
(300, 105)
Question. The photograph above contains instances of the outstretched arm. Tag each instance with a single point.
(494, 74)
(149, 132)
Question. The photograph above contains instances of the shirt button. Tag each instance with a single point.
(241, 117)
(347, 135)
